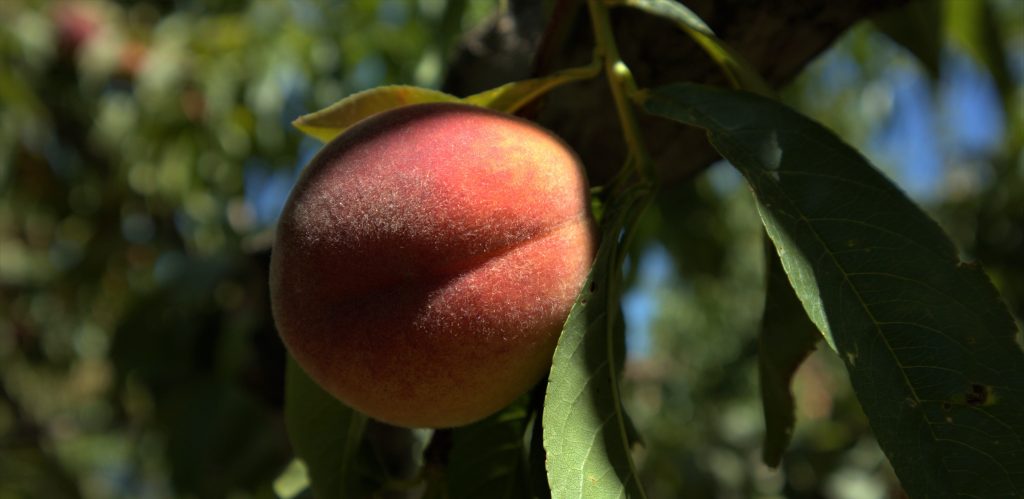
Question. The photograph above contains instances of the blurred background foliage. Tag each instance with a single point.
(146, 148)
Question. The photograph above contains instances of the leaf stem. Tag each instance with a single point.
(631, 187)
(623, 86)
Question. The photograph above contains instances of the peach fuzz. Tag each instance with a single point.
(426, 260)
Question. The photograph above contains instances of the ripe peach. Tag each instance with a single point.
(427, 259)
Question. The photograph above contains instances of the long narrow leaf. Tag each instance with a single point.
(586, 431)
(488, 459)
(325, 434)
(510, 97)
(929, 345)
(331, 121)
(787, 338)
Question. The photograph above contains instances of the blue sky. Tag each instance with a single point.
(932, 126)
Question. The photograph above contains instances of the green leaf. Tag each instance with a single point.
(325, 434)
(487, 459)
(585, 426)
(737, 69)
(338, 117)
(917, 26)
(510, 97)
(787, 338)
(929, 346)
(333, 120)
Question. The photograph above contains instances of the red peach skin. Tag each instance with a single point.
(427, 259)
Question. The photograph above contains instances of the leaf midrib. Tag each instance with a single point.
(857, 293)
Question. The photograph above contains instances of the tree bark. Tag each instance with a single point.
(778, 37)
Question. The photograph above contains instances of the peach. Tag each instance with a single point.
(426, 260)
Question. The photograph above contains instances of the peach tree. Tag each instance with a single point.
(930, 348)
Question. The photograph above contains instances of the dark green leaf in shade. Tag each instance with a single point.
(928, 343)
(787, 338)
(29, 472)
(917, 26)
(325, 434)
(586, 430)
(487, 459)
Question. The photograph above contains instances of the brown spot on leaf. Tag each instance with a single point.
(977, 395)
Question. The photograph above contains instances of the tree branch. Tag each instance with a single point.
(778, 37)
